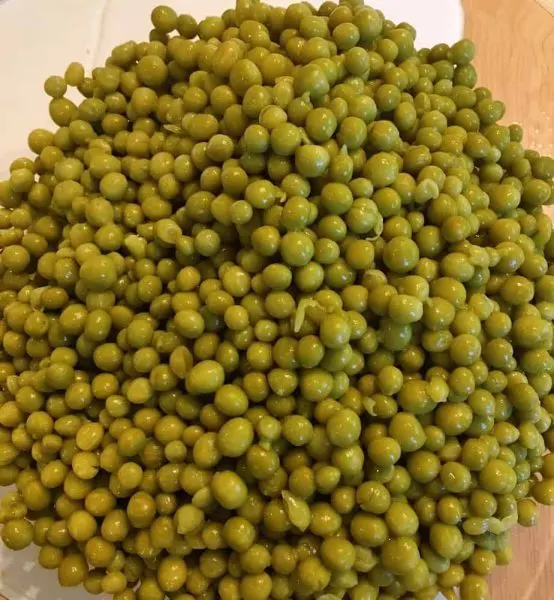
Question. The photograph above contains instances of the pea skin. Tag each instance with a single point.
(276, 303)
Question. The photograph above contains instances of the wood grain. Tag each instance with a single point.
(515, 60)
(515, 40)
(547, 5)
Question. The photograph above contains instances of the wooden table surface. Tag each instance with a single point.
(515, 60)
(515, 41)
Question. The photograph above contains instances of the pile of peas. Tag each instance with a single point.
(276, 304)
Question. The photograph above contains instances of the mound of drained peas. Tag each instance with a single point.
(276, 304)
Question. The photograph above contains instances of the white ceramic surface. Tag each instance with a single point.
(39, 38)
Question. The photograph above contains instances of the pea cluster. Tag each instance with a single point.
(276, 306)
